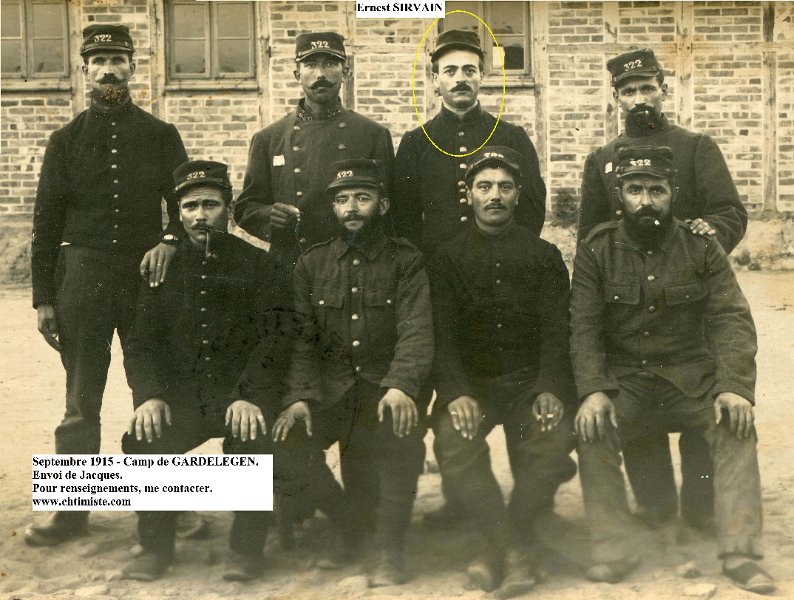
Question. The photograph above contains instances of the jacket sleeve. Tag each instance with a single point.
(594, 204)
(304, 378)
(588, 344)
(255, 203)
(413, 352)
(406, 205)
(49, 213)
(554, 372)
(174, 155)
(449, 374)
(531, 211)
(147, 346)
(729, 327)
(722, 207)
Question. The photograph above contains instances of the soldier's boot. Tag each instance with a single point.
(486, 570)
(519, 574)
(59, 527)
(390, 568)
(148, 566)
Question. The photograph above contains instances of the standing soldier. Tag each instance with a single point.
(283, 198)
(359, 365)
(97, 227)
(710, 204)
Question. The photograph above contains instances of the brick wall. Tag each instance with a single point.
(729, 67)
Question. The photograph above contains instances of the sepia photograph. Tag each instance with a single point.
(457, 299)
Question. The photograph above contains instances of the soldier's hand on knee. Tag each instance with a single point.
(299, 411)
(404, 415)
(740, 412)
(48, 325)
(155, 263)
(701, 227)
(549, 410)
(591, 420)
(283, 215)
(244, 419)
(148, 420)
(466, 416)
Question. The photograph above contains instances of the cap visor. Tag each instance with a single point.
(352, 182)
(203, 181)
(327, 51)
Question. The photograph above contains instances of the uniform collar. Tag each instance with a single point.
(371, 248)
(507, 231)
(471, 116)
(330, 112)
(124, 110)
(664, 245)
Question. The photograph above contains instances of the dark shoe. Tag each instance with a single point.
(751, 577)
(704, 524)
(343, 550)
(446, 517)
(390, 570)
(192, 526)
(485, 571)
(655, 517)
(519, 575)
(612, 572)
(59, 527)
(148, 566)
(243, 567)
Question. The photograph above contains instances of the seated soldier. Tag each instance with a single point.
(500, 306)
(194, 366)
(663, 341)
(365, 351)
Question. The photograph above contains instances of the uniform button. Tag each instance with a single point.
(115, 195)
(341, 147)
(461, 134)
(203, 309)
(649, 252)
(644, 362)
(204, 325)
(354, 290)
(499, 325)
(463, 219)
(354, 316)
(342, 125)
(358, 368)
(205, 342)
(207, 358)
(687, 296)
(651, 309)
(646, 334)
(299, 193)
(616, 297)
(115, 181)
(321, 302)
(463, 148)
(116, 210)
(498, 281)
(302, 241)
(114, 166)
(204, 262)
(464, 166)
(498, 264)
(388, 300)
(116, 227)
(113, 123)
(114, 136)
(114, 151)
(356, 343)
(203, 276)
(651, 277)
(618, 212)
(296, 170)
(115, 241)
(296, 128)
(463, 200)
(203, 292)
(461, 183)
(296, 148)
(356, 262)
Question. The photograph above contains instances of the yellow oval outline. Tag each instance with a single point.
(413, 89)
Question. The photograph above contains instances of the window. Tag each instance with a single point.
(210, 40)
(34, 39)
(509, 22)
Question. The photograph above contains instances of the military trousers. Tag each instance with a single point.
(97, 295)
(387, 467)
(191, 427)
(648, 404)
(540, 462)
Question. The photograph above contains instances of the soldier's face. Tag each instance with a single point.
(458, 79)
(321, 77)
(493, 197)
(200, 208)
(642, 91)
(355, 207)
(108, 72)
(647, 198)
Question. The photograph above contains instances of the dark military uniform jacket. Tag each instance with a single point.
(101, 186)
(368, 316)
(289, 162)
(430, 205)
(196, 340)
(706, 189)
(676, 311)
(500, 307)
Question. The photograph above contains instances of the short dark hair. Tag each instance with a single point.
(469, 179)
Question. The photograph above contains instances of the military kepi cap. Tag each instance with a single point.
(656, 161)
(201, 172)
(457, 39)
(495, 156)
(637, 63)
(106, 38)
(327, 42)
(355, 172)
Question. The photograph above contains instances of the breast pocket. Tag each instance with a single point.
(327, 310)
(380, 319)
(685, 293)
(622, 301)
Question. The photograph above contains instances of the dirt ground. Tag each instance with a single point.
(31, 402)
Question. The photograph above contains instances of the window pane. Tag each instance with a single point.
(12, 56)
(189, 57)
(48, 56)
(189, 21)
(460, 20)
(47, 20)
(507, 18)
(11, 23)
(233, 56)
(234, 19)
(512, 49)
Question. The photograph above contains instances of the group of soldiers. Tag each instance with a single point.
(391, 281)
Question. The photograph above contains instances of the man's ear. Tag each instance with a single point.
(664, 91)
(383, 205)
(345, 71)
(616, 194)
(468, 196)
(297, 73)
(84, 69)
(435, 81)
(133, 65)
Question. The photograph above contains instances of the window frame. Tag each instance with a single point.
(28, 78)
(174, 79)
